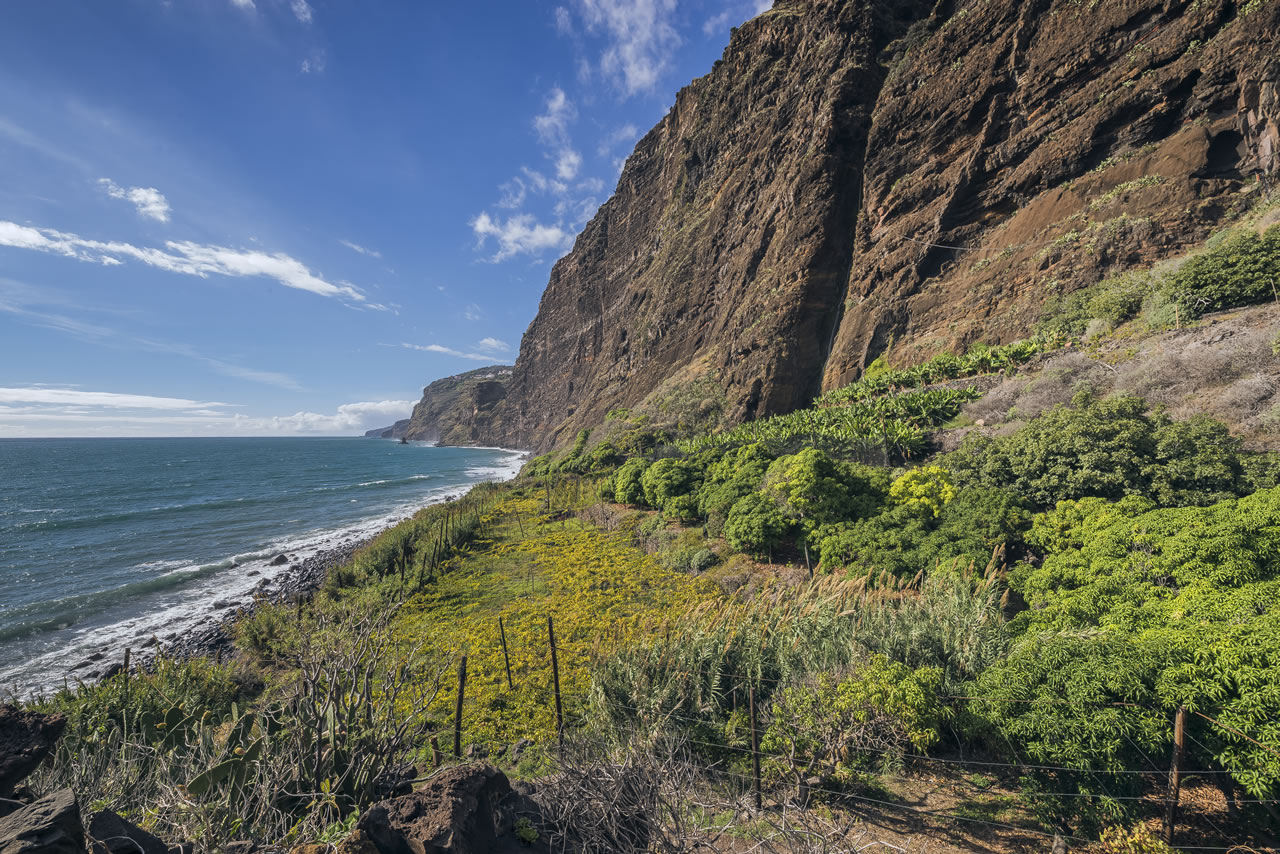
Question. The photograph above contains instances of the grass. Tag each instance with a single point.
(595, 585)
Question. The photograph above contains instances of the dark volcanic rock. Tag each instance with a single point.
(460, 410)
(49, 826)
(111, 834)
(857, 178)
(26, 738)
(470, 809)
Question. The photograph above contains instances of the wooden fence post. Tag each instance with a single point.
(435, 752)
(1175, 774)
(505, 658)
(755, 744)
(555, 672)
(457, 712)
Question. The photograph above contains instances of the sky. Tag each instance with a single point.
(285, 217)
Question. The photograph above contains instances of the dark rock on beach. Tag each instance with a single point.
(111, 834)
(471, 809)
(212, 638)
(26, 738)
(49, 826)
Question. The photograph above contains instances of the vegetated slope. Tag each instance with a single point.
(462, 409)
(855, 174)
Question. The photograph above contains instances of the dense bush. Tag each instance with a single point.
(1152, 607)
(908, 538)
(628, 488)
(1109, 448)
(866, 717)
(1240, 270)
(755, 525)
(668, 479)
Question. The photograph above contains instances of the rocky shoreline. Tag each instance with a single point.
(212, 637)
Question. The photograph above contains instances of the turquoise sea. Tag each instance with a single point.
(105, 543)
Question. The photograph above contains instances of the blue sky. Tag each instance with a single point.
(260, 217)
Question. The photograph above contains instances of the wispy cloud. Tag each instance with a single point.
(625, 134)
(48, 310)
(186, 257)
(243, 4)
(519, 234)
(356, 247)
(492, 349)
(149, 201)
(301, 10)
(735, 14)
(494, 344)
(552, 127)
(72, 397)
(44, 410)
(315, 63)
(641, 39)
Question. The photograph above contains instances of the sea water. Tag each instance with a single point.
(107, 543)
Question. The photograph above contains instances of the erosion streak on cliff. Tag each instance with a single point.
(858, 177)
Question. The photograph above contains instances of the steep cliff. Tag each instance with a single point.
(462, 409)
(395, 431)
(859, 177)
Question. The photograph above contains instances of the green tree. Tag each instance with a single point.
(627, 482)
(755, 525)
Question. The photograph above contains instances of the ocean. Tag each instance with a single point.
(106, 543)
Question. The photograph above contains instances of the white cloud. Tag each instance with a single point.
(553, 125)
(486, 350)
(564, 21)
(641, 39)
(186, 257)
(568, 164)
(243, 4)
(355, 247)
(63, 412)
(149, 201)
(518, 234)
(112, 400)
(472, 312)
(300, 10)
(314, 64)
(494, 344)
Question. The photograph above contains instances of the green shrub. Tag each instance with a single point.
(927, 488)
(1239, 270)
(667, 479)
(628, 488)
(869, 716)
(755, 525)
(1109, 449)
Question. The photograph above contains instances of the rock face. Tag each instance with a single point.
(858, 178)
(395, 431)
(470, 809)
(112, 834)
(49, 826)
(26, 738)
(461, 410)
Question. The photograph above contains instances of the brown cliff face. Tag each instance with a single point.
(854, 175)
(460, 410)
(1057, 143)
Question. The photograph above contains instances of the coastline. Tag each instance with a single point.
(212, 637)
(285, 572)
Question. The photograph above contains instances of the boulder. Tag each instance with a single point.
(470, 809)
(26, 738)
(49, 826)
(280, 560)
(111, 834)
